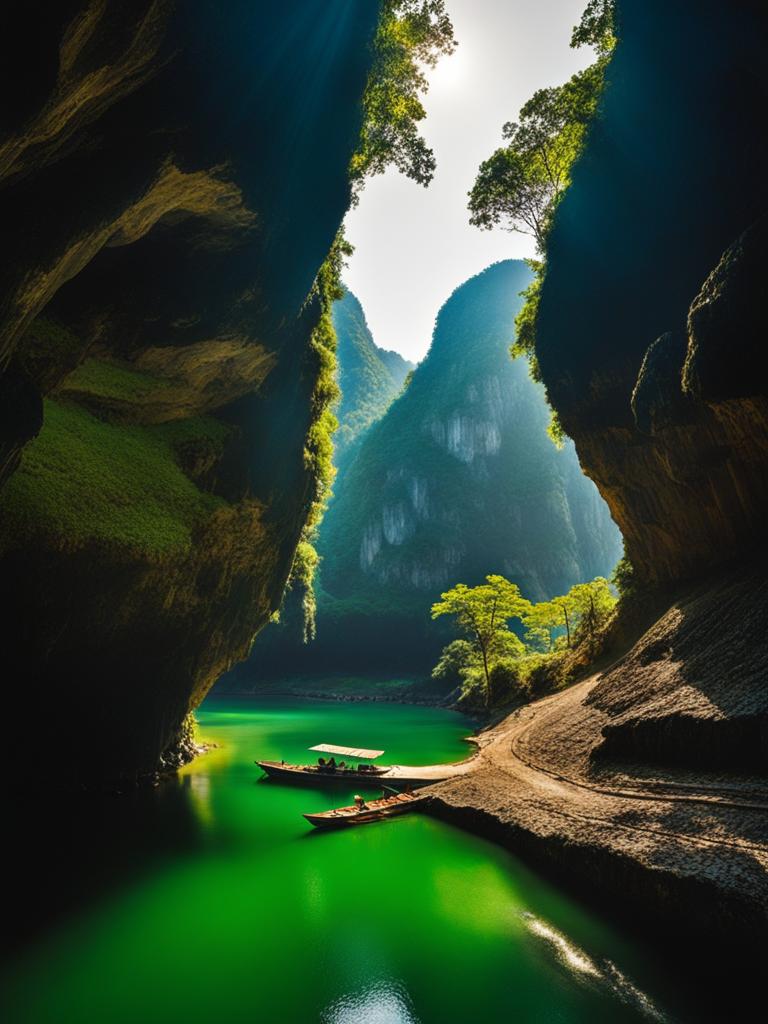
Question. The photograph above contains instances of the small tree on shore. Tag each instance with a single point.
(482, 614)
(491, 658)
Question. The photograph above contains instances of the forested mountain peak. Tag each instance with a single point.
(369, 377)
(459, 477)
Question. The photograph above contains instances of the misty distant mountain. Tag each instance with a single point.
(369, 377)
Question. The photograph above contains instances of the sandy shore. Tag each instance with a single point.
(671, 846)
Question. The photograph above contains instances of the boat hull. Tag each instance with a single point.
(307, 775)
(346, 817)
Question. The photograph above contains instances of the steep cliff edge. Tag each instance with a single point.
(169, 190)
(650, 341)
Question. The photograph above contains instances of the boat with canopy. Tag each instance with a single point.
(360, 766)
(354, 764)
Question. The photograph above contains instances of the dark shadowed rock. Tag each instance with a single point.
(171, 179)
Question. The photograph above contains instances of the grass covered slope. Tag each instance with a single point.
(87, 480)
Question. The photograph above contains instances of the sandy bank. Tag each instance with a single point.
(674, 848)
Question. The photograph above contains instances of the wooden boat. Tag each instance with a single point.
(314, 773)
(324, 773)
(372, 810)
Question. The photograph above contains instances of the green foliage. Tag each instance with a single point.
(623, 577)
(492, 660)
(456, 659)
(521, 185)
(407, 380)
(591, 605)
(556, 431)
(596, 27)
(369, 377)
(303, 570)
(83, 480)
(482, 614)
(318, 443)
(525, 321)
(411, 36)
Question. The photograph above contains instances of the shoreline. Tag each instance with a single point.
(664, 852)
(667, 856)
(403, 696)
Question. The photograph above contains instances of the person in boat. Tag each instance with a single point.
(331, 763)
(360, 804)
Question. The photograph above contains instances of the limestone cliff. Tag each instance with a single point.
(171, 179)
(650, 345)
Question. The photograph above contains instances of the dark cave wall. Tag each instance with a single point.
(671, 177)
(651, 346)
(171, 179)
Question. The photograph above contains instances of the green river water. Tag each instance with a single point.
(210, 899)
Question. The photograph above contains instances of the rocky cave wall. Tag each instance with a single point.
(651, 346)
(668, 410)
(172, 176)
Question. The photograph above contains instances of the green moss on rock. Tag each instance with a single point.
(83, 480)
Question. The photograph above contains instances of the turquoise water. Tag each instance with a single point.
(212, 900)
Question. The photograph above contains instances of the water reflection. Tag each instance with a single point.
(605, 974)
(383, 1003)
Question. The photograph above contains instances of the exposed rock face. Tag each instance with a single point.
(651, 347)
(687, 693)
(168, 192)
(460, 479)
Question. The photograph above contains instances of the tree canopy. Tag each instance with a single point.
(521, 184)
(490, 657)
(411, 37)
(482, 614)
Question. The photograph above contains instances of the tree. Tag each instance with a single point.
(492, 658)
(540, 623)
(520, 186)
(591, 603)
(411, 37)
(482, 614)
(596, 27)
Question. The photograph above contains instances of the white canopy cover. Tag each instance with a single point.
(359, 752)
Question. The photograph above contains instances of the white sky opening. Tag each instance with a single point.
(413, 245)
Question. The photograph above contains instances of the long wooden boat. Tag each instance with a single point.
(314, 773)
(325, 773)
(373, 810)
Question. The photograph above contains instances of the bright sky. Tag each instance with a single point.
(413, 246)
